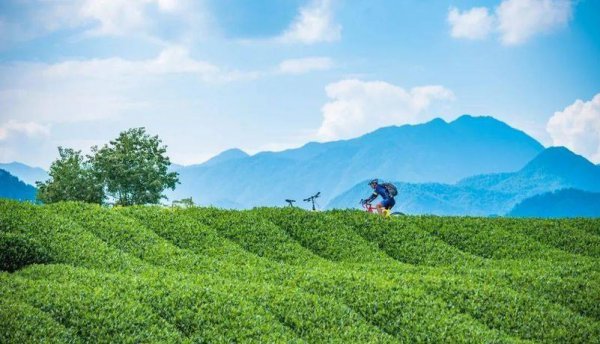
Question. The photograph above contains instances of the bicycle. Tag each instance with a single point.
(312, 199)
(369, 208)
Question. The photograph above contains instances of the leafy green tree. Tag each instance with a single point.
(134, 168)
(71, 179)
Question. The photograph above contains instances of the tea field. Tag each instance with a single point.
(78, 273)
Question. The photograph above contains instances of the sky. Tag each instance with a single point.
(209, 75)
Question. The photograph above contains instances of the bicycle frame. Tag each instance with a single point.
(369, 208)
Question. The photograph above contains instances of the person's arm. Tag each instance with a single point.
(371, 198)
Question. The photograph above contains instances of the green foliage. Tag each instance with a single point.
(23, 323)
(71, 179)
(86, 273)
(17, 251)
(134, 168)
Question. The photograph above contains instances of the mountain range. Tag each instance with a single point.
(26, 173)
(435, 151)
(470, 166)
(13, 188)
(553, 169)
(561, 203)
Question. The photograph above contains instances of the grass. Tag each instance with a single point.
(82, 273)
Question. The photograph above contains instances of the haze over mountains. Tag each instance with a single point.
(13, 188)
(431, 152)
(561, 203)
(28, 174)
(553, 169)
(470, 166)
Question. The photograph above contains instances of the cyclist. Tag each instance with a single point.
(387, 203)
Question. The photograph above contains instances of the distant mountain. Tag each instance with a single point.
(554, 168)
(562, 203)
(431, 198)
(26, 173)
(431, 152)
(175, 167)
(11, 187)
(228, 155)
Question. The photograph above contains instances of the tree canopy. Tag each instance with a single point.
(132, 169)
(71, 179)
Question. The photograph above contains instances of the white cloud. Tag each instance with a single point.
(115, 17)
(357, 107)
(519, 20)
(577, 127)
(157, 20)
(95, 89)
(476, 23)
(171, 60)
(516, 21)
(314, 24)
(305, 65)
(29, 129)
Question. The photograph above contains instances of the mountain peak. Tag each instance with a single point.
(467, 119)
(558, 157)
(230, 154)
(561, 163)
(437, 120)
(25, 172)
(13, 188)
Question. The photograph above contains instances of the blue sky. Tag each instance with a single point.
(272, 74)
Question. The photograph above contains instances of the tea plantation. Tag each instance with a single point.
(78, 273)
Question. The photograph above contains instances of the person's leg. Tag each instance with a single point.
(391, 204)
(380, 208)
(384, 209)
(388, 209)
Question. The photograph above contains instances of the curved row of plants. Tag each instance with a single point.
(84, 273)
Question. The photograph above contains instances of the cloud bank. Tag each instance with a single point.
(357, 107)
(475, 23)
(305, 65)
(515, 21)
(314, 24)
(577, 127)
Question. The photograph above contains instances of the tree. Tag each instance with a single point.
(134, 168)
(71, 179)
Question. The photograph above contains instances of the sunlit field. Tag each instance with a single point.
(83, 273)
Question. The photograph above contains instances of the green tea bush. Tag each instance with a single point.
(324, 236)
(23, 323)
(256, 234)
(404, 240)
(562, 234)
(85, 273)
(17, 251)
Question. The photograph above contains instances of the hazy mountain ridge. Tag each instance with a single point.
(434, 198)
(13, 188)
(25, 173)
(431, 152)
(435, 150)
(230, 154)
(561, 203)
(555, 168)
